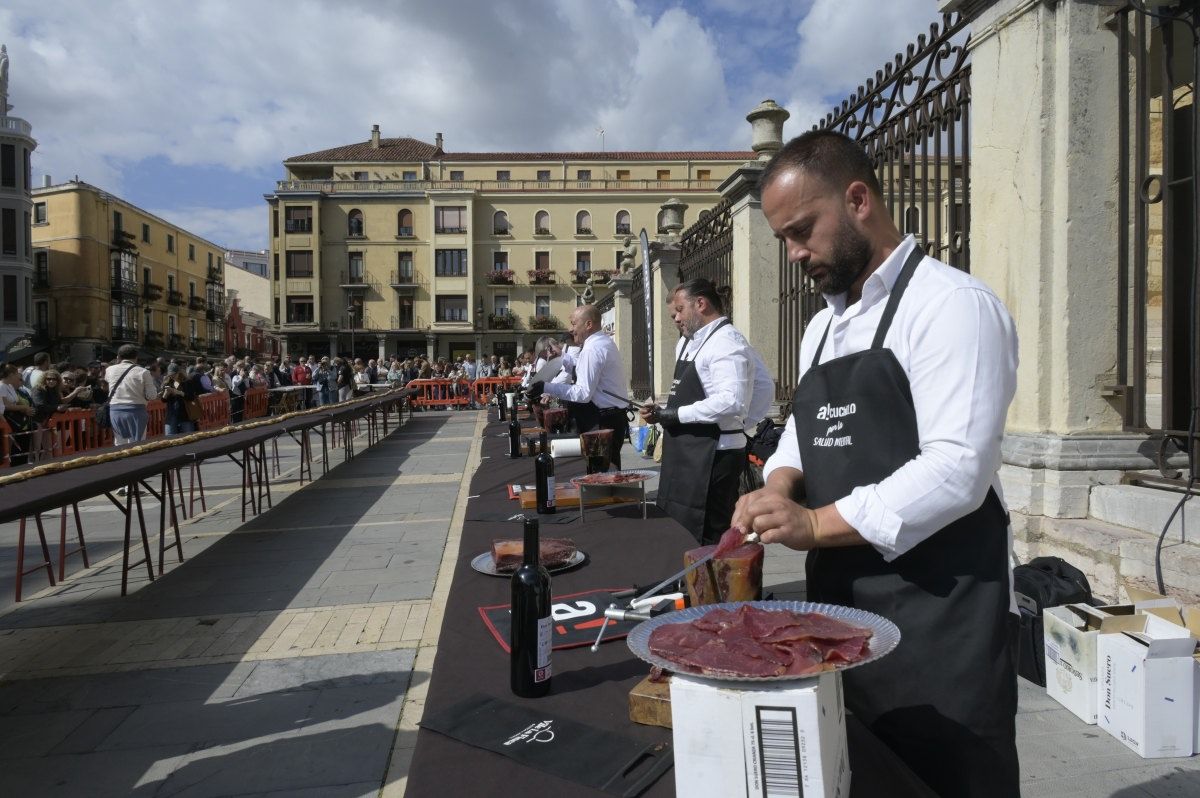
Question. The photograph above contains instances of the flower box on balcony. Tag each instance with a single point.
(541, 231)
(196, 303)
(501, 321)
(541, 277)
(543, 323)
(500, 277)
(583, 231)
(175, 298)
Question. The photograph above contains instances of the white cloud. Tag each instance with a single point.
(230, 228)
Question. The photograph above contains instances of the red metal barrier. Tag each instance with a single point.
(5, 441)
(440, 393)
(214, 409)
(256, 403)
(487, 387)
(156, 426)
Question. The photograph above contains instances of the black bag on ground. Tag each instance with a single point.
(766, 439)
(1043, 582)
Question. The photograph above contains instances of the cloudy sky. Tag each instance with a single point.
(187, 108)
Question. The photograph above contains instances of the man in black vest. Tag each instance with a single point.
(893, 448)
(707, 411)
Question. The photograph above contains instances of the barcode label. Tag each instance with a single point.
(779, 752)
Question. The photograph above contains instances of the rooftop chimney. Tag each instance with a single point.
(374, 137)
(437, 141)
(46, 181)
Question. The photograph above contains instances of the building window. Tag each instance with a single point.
(170, 282)
(192, 329)
(623, 225)
(275, 223)
(703, 175)
(355, 223)
(404, 267)
(503, 175)
(192, 252)
(450, 219)
(583, 175)
(541, 261)
(10, 298)
(210, 260)
(41, 321)
(118, 222)
(623, 175)
(41, 268)
(300, 309)
(146, 233)
(543, 175)
(25, 233)
(912, 221)
(456, 175)
(618, 256)
(8, 240)
(583, 263)
(361, 176)
(276, 269)
(276, 310)
(191, 289)
(541, 306)
(583, 223)
(452, 308)
(299, 263)
(39, 213)
(8, 165)
(541, 223)
(409, 174)
(404, 224)
(354, 264)
(500, 224)
(147, 276)
(404, 307)
(170, 325)
(500, 304)
(662, 175)
(170, 242)
(297, 219)
(450, 262)
(499, 261)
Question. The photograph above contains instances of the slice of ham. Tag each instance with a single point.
(730, 540)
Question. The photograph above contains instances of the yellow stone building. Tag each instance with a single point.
(396, 246)
(107, 273)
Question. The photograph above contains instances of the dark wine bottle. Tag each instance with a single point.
(543, 470)
(514, 436)
(501, 401)
(532, 626)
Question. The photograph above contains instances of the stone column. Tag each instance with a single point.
(382, 349)
(664, 276)
(622, 285)
(333, 346)
(430, 345)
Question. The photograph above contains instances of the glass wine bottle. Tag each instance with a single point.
(532, 626)
(543, 469)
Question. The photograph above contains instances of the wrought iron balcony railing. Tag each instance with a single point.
(175, 298)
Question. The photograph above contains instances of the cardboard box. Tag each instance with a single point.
(1189, 618)
(1069, 633)
(747, 739)
(1147, 682)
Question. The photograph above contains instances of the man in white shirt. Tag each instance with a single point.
(127, 403)
(599, 382)
(707, 412)
(894, 445)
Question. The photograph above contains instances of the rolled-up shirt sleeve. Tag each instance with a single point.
(962, 373)
(727, 382)
(787, 453)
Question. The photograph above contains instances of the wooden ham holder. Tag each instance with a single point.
(736, 578)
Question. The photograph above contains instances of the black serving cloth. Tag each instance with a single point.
(596, 758)
(591, 688)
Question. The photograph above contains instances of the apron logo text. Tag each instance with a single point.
(845, 440)
(827, 412)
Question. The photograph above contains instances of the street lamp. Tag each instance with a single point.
(350, 313)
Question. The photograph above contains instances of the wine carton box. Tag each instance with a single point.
(1147, 682)
(1069, 633)
(757, 740)
(1189, 618)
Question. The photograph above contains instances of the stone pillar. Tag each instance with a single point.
(430, 346)
(478, 349)
(622, 285)
(382, 349)
(664, 276)
(333, 346)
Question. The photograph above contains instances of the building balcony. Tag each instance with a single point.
(196, 303)
(623, 230)
(544, 323)
(583, 231)
(502, 321)
(175, 341)
(500, 277)
(541, 277)
(11, 124)
(196, 343)
(407, 321)
(301, 322)
(297, 226)
(175, 298)
(450, 230)
(500, 186)
(505, 230)
(352, 280)
(151, 292)
(154, 338)
(403, 278)
(124, 284)
(125, 333)
(215, 311)
(216, 346)
(404, 232)
(597, 276)
(215, 275)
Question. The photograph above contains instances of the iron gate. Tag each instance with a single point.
(706, 249)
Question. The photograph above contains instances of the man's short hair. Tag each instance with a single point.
(41, 359)
(127, 352)
(833, 157)
(702, 287)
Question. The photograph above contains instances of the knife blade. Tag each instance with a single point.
(629, 405)
(750, 538)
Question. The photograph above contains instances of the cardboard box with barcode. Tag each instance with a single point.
(1187, 616)
(1069, 636)
(740, 739)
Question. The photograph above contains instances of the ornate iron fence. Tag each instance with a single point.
(1158, 369)
(912, 119)
(706, 248)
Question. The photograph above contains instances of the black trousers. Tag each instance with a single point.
(722, 493)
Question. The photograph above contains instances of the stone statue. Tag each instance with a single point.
(628, 255)
(4, 106)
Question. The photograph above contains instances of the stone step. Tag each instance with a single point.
(1146, 510)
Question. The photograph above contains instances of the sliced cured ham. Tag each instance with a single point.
(755, 643)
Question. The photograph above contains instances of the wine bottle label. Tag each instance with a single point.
(550, 491)
(545, 633)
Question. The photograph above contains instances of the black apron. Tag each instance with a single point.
(945, 700)
(687, 480)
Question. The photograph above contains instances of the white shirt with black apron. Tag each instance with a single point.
(698, 486)
(945, 699)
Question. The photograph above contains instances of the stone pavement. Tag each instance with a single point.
(289, 655)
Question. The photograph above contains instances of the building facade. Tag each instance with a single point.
(18, 321)
(396, 246)
(249, 260)
(110, 273)
(248, 326)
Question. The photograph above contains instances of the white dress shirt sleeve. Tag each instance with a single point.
(723, 366)
(587, 376)
(962, 373)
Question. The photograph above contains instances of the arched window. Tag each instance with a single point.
(500, 225)
(404, 223)
(912, 220)
(583, 223)
(541, 223)
(623, 226)
(660, 221)
(355, 227)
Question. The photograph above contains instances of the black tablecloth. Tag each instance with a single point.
(591, 688)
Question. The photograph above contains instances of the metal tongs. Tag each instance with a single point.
(631, 613)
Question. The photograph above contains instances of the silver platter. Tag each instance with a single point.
(484, 565)
(642, 476)
(883, 641)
